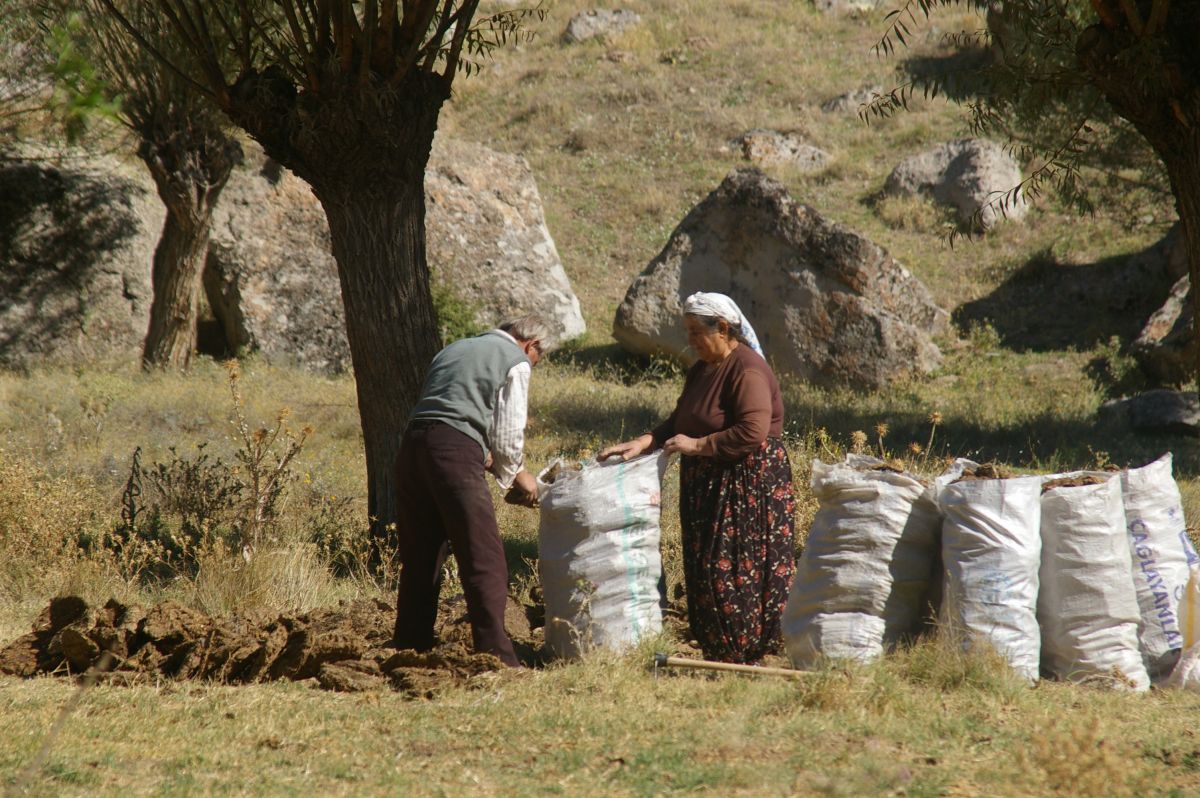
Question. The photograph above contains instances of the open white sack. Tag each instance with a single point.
(867, 563)
(1087, 606)
(598, 554)
(991, 550)
(1161, 556)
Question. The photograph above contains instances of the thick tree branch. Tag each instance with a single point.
(324, 34)
(385, 47)
(416, 34)
(1133, 17)
(343, 38)
(1158, 16)
(281, 58)
(302, 46)
(460, 35)
(370, 10)
(434, 45)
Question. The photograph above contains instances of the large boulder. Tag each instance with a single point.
(828, 305)
(77, 239)
(270, 277)
(599, 23)
(771, 148)
(1166, 347)
(969, 174)
(1158, 411)
(273, 283)
(488, 242)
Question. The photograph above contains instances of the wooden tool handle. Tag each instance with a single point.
(662, 660)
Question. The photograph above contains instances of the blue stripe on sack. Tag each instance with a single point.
(630, 569)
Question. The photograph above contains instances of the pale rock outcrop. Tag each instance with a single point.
(771, 147)
(967, 174)
(77, 239)
(270, 277)
(846, 6)
(488, 240)
(828, 305)
(599, 23)
(273, 283)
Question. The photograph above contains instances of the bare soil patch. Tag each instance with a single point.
(347, 648)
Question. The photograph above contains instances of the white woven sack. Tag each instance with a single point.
(1161, 556)
(1186, 675)
(598, 554)
(867, 563)
(1087, 606)
(991, 550)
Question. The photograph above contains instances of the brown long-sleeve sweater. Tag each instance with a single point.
(734, 404)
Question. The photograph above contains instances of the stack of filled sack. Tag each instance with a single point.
(1079, 576)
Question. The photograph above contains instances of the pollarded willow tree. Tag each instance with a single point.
(1072, 79)
(346, 94)
(181, 137)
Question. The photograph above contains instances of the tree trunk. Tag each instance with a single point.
(379, 244)
(1183, 167)
(189, 181)
(1163, 104)
(363, 149)
(176, 279)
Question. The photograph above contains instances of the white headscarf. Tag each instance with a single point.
(722, 307)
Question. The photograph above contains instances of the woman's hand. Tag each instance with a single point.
(684, 445)
(629, 449)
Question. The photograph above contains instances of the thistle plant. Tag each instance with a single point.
(264, 455)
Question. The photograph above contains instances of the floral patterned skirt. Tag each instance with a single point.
(739, 550)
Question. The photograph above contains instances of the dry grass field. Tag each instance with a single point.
(624, 137)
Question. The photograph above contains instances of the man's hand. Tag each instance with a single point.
(524, 490)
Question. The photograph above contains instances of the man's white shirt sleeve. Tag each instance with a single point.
(508, 425)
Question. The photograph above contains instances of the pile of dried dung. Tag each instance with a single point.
(985, 471)
(346, 648)
(1072, 482)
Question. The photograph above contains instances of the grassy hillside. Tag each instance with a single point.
(624, 137)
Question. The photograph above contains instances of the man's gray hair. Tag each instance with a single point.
(527, 328)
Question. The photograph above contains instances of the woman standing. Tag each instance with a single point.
(735, 484)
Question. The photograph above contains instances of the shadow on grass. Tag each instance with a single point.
(611, 362)
(1045, 306)
(519, 552)
(1048, 305)
(958, 76)
(1043, 443)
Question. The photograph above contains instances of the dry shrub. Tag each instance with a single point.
(1077, 756)
(830, 688)
(42, 521)
(914, 214)
(942, 662)
(277, 578)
